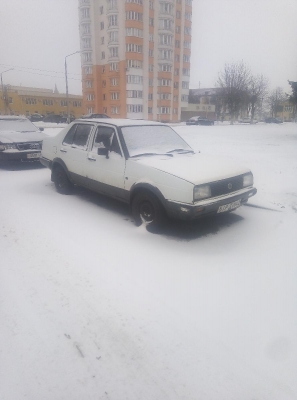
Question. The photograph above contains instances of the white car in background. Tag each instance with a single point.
(147, 165)
(20, 140)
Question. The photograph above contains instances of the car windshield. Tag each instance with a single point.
(153, 139)
(17, 125)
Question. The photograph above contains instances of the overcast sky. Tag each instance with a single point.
(37, 34)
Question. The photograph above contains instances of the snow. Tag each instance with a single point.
(94, 308)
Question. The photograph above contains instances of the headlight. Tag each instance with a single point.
(7, 146)
(248, 180)
(202, 192)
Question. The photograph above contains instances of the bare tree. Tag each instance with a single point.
(257, 92)
(274, 100)
(234, 81)
(293, 98)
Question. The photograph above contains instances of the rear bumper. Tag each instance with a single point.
(209, 206)
(19, 156)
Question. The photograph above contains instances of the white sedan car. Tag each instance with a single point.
(146, 164)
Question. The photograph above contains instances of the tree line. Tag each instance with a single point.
(239, 91)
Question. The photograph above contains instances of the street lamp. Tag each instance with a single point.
(66, 78)
(3, 95)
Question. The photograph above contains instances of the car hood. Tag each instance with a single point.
(195, 168)
(21, 137)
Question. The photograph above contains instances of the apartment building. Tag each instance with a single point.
(136, 57)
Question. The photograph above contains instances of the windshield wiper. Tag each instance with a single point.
(152, 154)
(181, 150)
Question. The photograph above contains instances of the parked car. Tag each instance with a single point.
(57, 119)
(147, 165)
(19, 139)
(199, 121)
(36, 117)
(94, 115)
(272, 120)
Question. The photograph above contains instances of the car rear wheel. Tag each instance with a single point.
(146, 209)
(62, 183)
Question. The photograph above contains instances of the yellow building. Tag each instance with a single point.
(286, 112)
(19, 100)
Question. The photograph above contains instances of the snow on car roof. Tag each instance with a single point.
(122, 122)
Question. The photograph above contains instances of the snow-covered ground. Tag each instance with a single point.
(92, 307)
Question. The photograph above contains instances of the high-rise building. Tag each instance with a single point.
(136, 57)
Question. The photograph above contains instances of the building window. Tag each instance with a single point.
(86, 43)
(188, 16)
(176, 72)
(166, 8)
(113, 20)
(115, 110)
(102, 40)
(187, 45)
(113, 36)
(29, 100)
(150, 110)
(134, 108)
(115, 96)
(76, 103)
(166, 39)
(133, 15)
(90, 97)
(165, 54)
(151, 67)
(112, 5)
(102, 26)
(150, 96)
(151, 53)
(134, 79)
(165, 96)
(114, 66)
(87, 57)
(105, 110)
(47, 102)
(176, 58)
(178, 14)
(151, 5)
(101, 10)
(134, 32)
(165, 82)
(188, 30)
(151, 21)
(175, 85)
(165, 67)
(134, 64)
(63, 103)
(86, 29)
(88, 70)
(89, 84)
(103, 55)
(186, 58)
(133, 48)
(103, 69)
(184, 98)
(177, 29)
(104, 83)
(177, 44)
(166, 24)
(164, 110)
(134, 94)
(114, 82)
(85, 13)
(113, 52)
(185, 85)
(134, 1)
(104, 97)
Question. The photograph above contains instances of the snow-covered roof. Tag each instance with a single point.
(122, 122)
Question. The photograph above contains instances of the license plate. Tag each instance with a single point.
(33, 155)
(230, 206)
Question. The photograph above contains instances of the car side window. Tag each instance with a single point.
(70, 135)
(81, 136)
(105, 137)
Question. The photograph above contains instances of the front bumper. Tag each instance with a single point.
(29, 156)
(209, 206)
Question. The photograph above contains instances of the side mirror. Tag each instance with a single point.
(103, 151)
(41, 129)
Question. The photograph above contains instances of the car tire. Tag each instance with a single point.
(147, 209)
(61, 181)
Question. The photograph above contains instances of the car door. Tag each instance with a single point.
(106, 163)
(73, 151)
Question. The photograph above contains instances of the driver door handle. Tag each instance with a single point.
(63, 150)
(91, 158)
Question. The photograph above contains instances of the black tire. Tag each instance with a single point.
(146, 209)
(62, 183)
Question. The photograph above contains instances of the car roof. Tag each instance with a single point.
(12, 118)
(120, 122)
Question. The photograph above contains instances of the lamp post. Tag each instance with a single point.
(66, 79)
(3, 94)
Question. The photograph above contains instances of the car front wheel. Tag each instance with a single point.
(62, 183)
(146, 209)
